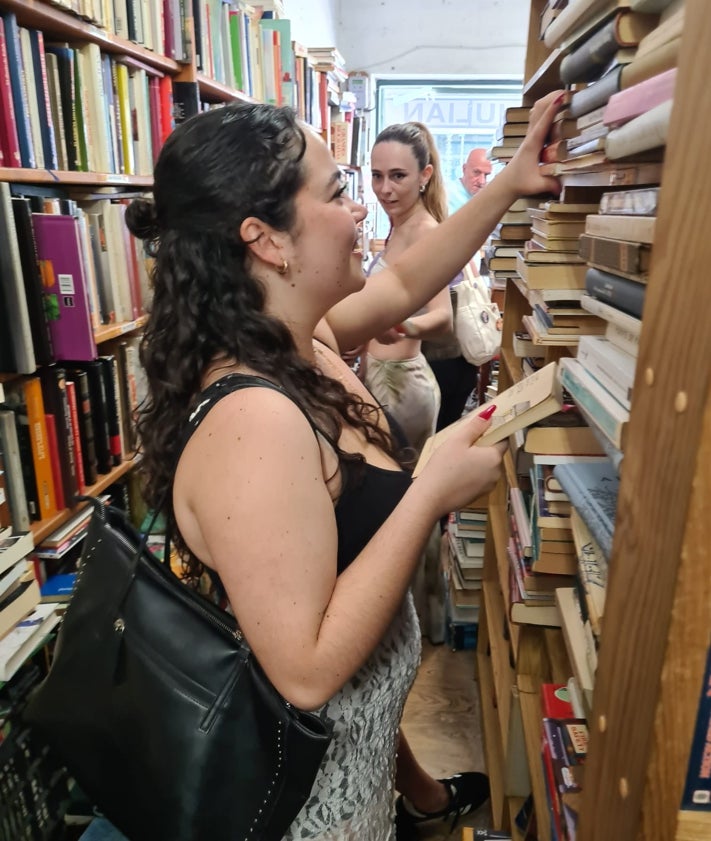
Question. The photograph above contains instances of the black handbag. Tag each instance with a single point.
(159, 709)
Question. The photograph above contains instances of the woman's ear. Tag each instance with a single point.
(262, 241)
(427, 173)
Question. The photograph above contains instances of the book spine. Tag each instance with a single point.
(633, 101)
(596, 94)
(585, 505)
(586, 62)
(627, 295)
(53, 448)
(86, 425)
(19, 91)
(610, 378)
(13, 471)
(14, 296)
(8, 124)
(697, 787)
(648, 131)
(608, 415)
(40, 452)
(49, 140)
(76, 437)
(31, 92)
(625, 340)
(615, 254)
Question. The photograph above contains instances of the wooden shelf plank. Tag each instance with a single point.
(499, 532)
(112, 331)
(502, 671)
(693, 826)
(213, 91)
(545, 79)
(43, 528)
(22, 175)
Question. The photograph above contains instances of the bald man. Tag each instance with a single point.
(475, 170)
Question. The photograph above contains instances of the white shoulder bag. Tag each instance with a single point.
(476, 320)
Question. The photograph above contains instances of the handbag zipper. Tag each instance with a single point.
(235, 633)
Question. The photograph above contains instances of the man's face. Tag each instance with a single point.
(475, 171)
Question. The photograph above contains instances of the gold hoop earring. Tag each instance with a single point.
(284, 268)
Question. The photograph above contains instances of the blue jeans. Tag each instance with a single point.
(101, 830)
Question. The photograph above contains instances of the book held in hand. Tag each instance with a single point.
(526, 402)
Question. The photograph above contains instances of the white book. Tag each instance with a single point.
(612, 368)
(606, 412)
(648, 131)
(611, 314)
(19, 644)
(97, 107)
(624, 339)
(28, 74)
(14, 548)
(14, 287)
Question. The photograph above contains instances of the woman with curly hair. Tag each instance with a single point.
(293, 498)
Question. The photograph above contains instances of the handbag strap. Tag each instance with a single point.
(208, 398)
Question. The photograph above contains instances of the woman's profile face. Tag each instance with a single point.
(396, 178)
(326, 239)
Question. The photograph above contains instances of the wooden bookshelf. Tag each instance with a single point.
(107, 332)
(657, 624)
(61, 25)
(43, 528)
(66, 178)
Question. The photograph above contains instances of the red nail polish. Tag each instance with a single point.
(488, 412)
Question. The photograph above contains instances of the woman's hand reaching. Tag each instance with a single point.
(524, 168)
(458, 471)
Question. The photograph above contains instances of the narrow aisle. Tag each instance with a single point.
(442, 723)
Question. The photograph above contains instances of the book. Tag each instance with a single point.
(593, 488)
(629, 228)
(612, 368)
(58, 588)
(13, 472)
(17, 646)
(595, 94)
(592, 571)
(579, 642)
(555, 701)
(551, 276)
(623, 293)
(647, 131)
(587, 61)
(616, 255)
(67, 305)
(560, 441)
(697, 786)
(640, 202)
(13, 289)
(37, 425)
(34, 292)
(574, 17)
(633, 101)
(606, 413)
(13, 548)
(526, 402)
(17, 603)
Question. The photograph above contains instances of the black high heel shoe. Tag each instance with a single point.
(467, 792)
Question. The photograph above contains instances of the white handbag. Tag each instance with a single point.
(477, 320)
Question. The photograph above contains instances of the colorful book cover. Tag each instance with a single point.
(66, 298)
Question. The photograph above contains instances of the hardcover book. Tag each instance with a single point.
(68, 312)
(593, 489)
(621, 292)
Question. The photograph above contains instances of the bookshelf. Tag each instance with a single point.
(657, 624)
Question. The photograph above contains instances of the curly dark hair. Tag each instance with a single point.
(214, 171)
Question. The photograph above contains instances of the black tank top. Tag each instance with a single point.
(368, 493)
